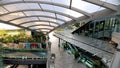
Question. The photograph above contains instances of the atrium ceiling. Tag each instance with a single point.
(47, 15)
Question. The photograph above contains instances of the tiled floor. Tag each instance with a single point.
(63, 59)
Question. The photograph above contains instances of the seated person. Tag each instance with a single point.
(44, 45)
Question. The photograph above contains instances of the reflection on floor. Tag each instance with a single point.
(63, 59)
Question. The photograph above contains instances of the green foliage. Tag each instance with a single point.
(76, 24)
(3, 32)
(70, 27)
(64, 45)
(21, 37)
(59, 29)
(39, 37)
(75, 53)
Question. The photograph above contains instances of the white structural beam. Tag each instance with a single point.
(103, 4)
(40, 25)
(42, 28)
(37, 16)
(45, 10)
(39, 21)
(49, 3)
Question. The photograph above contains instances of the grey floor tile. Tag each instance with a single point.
(63, 59)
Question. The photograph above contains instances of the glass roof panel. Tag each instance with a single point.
(39, 0)
(30, 13)
(50, 19)
(80, 4)
(62, 10)
(17, 14)
(42, 27)
(115, 2)
(60, 22)
(63, 17)
(85, 6)
(53, 24)
(7, 1)
(11, 16)
(4, 18)
(35, 23)
(47, 19)
(45, 6)
(24, 20)
(45, 30)
(32, 5)
(22, 6)
(66, 2)
(2, 10)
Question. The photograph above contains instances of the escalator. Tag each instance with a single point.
(82, 56)
(71, 49)
(90, 60)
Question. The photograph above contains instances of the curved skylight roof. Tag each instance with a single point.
(47, 15)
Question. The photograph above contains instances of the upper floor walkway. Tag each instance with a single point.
(98, 48)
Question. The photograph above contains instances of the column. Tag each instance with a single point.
(98, 29)
(89, 30)
(109, 28)
(58, 42)
(94, 25)
(116, 58)
(103, 28)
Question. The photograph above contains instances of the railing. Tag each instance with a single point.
(105, 49)
(24, 61)
(102, 45)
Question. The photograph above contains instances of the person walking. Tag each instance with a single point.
(49, 45)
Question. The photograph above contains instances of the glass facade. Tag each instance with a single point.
(100, 28)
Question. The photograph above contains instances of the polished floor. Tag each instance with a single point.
(63, 59)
